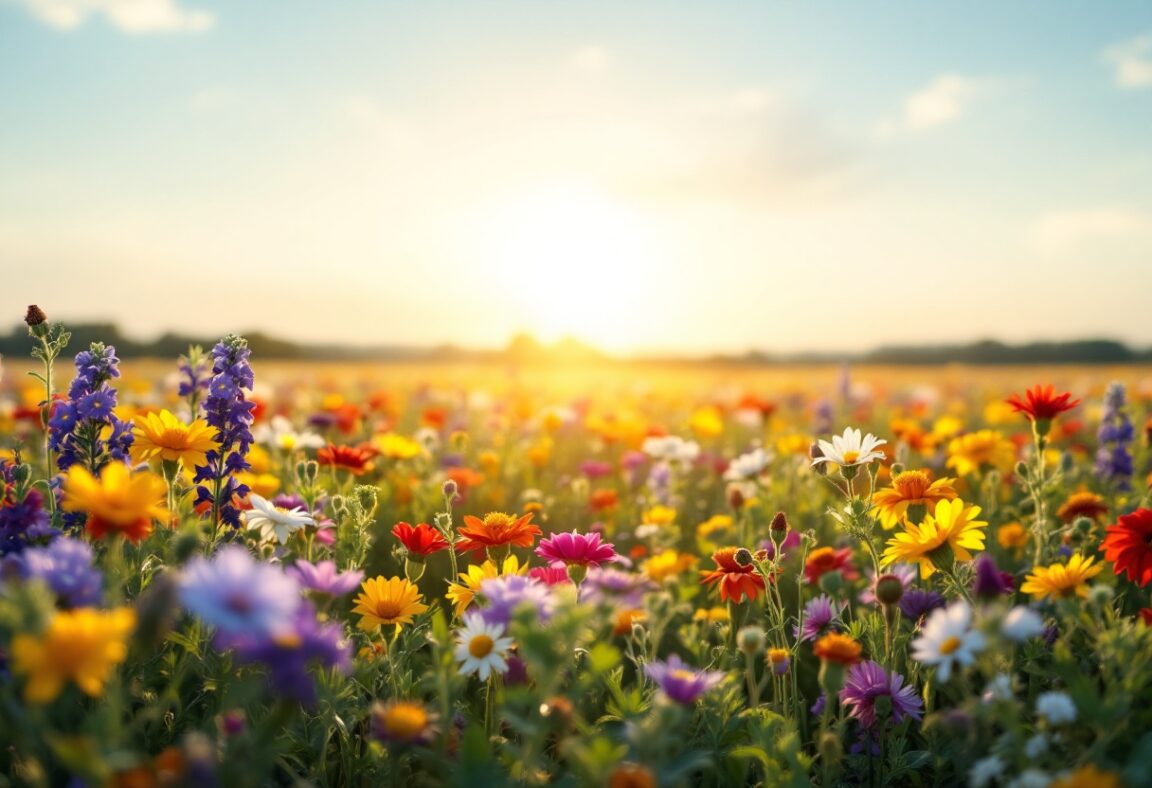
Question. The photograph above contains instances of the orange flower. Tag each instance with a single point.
(496, 530)
(353, 459)
(735, 573)
(603, 499)
(827, 559)
(835, 647)
(421, 539)
(911, 489)
(1082, 504)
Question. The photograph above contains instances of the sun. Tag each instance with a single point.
(576, 261)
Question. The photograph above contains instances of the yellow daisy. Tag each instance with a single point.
(1062, 580)
(81, 645)
(461, 594)
(977, 450)
(951, 525)
(911, 489)
(391, 601)
(163, 436)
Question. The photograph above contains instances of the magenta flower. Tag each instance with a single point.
(549, 575)
(576, 549)
(323, 578)
(679, 681)
(866, 682)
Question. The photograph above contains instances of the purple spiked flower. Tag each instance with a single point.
(571, 548)
(867, 681)
(76, 429)
(1113, 457)
(23, 520)
(680, 682)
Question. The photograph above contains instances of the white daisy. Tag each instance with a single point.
(280, 434)
(481, 647)
(1022, 623)
(850, 449)
(1056, 707)
(748, 465)
(671, 447)
(947, 639)
(275, 521)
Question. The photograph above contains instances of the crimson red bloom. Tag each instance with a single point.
(1042, 403)
(828, 559)
(737, 579)
(1128, 545)
(351, 458)
(420, 539)
(1146, 615)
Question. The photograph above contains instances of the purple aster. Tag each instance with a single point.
(97, 405)
(680, 682)
(990, 582)
(820, 614)
(906, 573)
(575, 548)
(613, 587)
(917, 603)
(288, 654)
(240, 596)
(867, 681)
(503, 595)
(227, 409)
(324, 579)
(65, 566)
(550, 575)
(23, 519)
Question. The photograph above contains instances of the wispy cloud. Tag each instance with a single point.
(1071, 230)
(944, 100)
(128, 16)
(1131, 61)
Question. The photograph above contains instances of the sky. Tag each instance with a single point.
(675, 176)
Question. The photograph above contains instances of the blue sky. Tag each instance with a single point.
(674, 175)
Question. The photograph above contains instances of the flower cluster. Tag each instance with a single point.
(229, 412)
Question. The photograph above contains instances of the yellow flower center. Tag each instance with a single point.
(480, 646)
(172, 438)
(388, 609)
(950, 645)
(851, 457)
(684, 675)
(405, 721)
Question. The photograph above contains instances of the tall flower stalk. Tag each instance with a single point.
(1114, 465)
(51, 339)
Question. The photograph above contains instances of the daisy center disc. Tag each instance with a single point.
(950, 645)
(480, 646)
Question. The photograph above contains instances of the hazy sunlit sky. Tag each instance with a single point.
(692, 176)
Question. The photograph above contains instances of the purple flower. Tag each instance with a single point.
(917, 603)
(575, 548)
(818, 707)
(240, 596)
(1114, 457)
(596, 469)
(867, 681)
(504, 595)
(23, 520)
(97, 405)
(77, 428)
(324, 579)
(681, 683)
(230, 413)
(65, 566)
(820, 614)
(613, 587)
(289, 653)
(906, 573)
(990, 582)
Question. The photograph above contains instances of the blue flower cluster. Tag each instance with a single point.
(65, 566)
(1114, 456)
(76, 426)
(227, 409)
(23, 519)
(194, 377)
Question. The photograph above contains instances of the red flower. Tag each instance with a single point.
(827, 559)
(421, 539)
(1041, 403)
(737, 579)
(1146, 615)
(603, 499)
(1128, 545)
(356, 460)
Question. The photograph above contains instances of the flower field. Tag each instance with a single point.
(220, 571)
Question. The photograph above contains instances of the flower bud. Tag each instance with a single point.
(743, 557)
(450, 489)
(751, 640)
(35, 316)
(735, 496)
(22, 473)
(889, 589)
(780, 660)
(780, 523)
(831, 583)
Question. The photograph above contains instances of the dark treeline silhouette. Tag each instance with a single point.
(525, 349)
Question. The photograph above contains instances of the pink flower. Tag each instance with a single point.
(549, 575)
(576, 549)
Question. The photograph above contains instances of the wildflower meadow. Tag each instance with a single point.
(213, 577)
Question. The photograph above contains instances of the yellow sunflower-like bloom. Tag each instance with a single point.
(391, 601)
(81, 645)
(119, 501)
(666, 564)
(976, 450)
(1062, 580)
(461, 594)
(163, 436)
(910, 489)
(951, 525)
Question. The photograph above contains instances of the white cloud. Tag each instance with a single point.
(592, 60)
(1068, 230)
(1133, 62)
(129, 16)
(942, 101)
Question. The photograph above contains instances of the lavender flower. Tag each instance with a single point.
(990, 582)
(867, 681)
(613, 587)
(324, 579)
(1114, 457)
(77, 427)
(65, 566)
(230, 413)
(680, 682)
(240, 596)
(917, 603)
(505, 594)
(820, 614)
